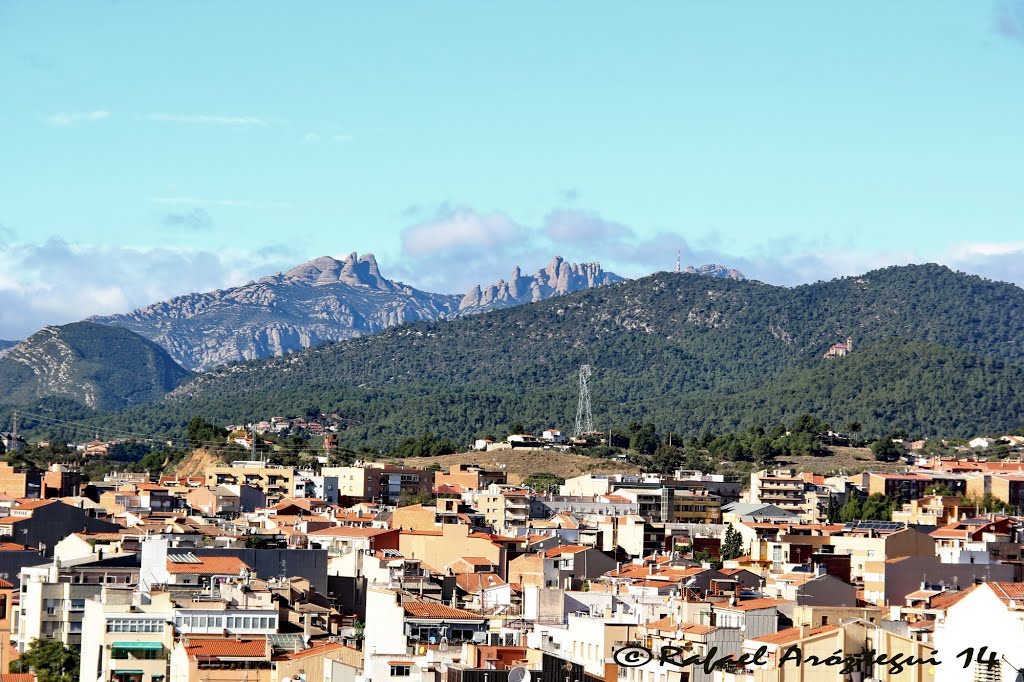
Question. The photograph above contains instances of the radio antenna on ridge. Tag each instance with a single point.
(679, 262)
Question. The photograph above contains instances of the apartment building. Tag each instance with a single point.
(783, 488)
(470, 477)
(276, 482)
(126, 638)
(311, 485)
(930, 510)
(383, 483)
(506, 510)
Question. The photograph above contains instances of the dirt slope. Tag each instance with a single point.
(522, 462)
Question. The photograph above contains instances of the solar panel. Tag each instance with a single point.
(290, 642)
(392, 554)
(188, 558)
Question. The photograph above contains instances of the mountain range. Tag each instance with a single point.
(935, 353)
(323, 301)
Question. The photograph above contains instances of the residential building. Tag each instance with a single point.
(930, 510)
(470, 477)
(19, 482)
(276, 482)
(383, 483)
(126, 639)
(990, 615)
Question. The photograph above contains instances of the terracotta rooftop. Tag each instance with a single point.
(35, 504)
(208, 565)
(438, 611)
(751, 604)
(474, 582)
(947, 599)
(1008, 592)
(317, 650)
(668, 625)
(351, 531)
(790, 635)
(226, 648)
(564, 549)
(17, 677)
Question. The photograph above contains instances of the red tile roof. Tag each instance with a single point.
(751, 604)
(5, 585)
(210, 565)
(793, 634)
(667, 624)
(35, 504)
(1008, 591)
(564, 549)
(475, 582)
(438, 611)
(17, 677)
(226, 648)
(351, 531)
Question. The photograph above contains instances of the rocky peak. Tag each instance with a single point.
(355, 270)
(715, 270)
(556, 278)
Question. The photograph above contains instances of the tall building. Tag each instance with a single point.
(383, 483)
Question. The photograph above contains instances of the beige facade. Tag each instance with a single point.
(125, 641)
(931, 510)
(382, 483)
(439, 548)
(276, 482)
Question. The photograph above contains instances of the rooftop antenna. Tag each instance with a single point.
(584, 418)
(679, 263)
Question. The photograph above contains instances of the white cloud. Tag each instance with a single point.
(460, 230)
(65, 119)
(206, 119)
(565, 225)
(36, 290)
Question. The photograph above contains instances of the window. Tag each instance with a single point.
(400, 670)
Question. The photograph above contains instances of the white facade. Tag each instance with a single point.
(980, 619)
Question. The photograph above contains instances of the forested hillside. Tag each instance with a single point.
(935, 352)
(96, 365)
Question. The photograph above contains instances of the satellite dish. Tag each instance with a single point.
(518, 674)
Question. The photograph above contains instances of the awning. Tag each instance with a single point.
(138, 646)
(127, 672)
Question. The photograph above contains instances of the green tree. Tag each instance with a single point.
(202, 433)
(987, 503)
(886, 450)
(51, 661)
(732, 547)
(408, 498)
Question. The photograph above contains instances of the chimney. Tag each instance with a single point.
(804, 630)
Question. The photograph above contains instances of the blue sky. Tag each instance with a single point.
(150, 149)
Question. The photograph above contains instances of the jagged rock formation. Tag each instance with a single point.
(317, 302)
(715, 270)
(99, 366)
(558, 278)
